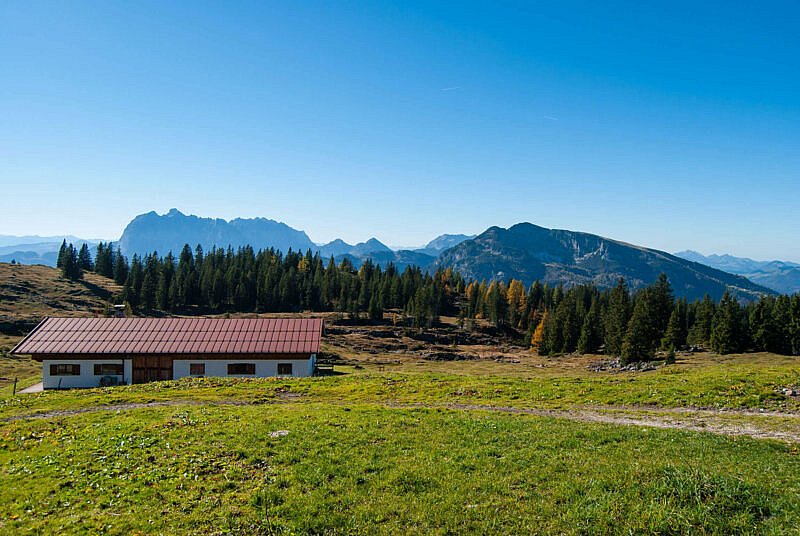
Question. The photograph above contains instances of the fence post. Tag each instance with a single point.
(15, 388)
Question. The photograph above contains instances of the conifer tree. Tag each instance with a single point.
(642, 335)
(70, 266)
(727, 329)
(700, 332)
(85, 258)
(794, 325)
(674, 337)
(616, 318)
(591, 337)
(61, 252)
(121, 268)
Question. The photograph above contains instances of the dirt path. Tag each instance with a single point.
(696, 420)
(725, 422)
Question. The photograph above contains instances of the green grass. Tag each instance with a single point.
(358, 460)
(743, 386)
(368, 469)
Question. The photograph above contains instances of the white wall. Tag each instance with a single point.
(265, 368)
(180, 369)
(86, 377)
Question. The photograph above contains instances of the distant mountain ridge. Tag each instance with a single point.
(169, 232)
(529, 252)
(781, 276)
(442, 243)
(523, 251)
(45, 253)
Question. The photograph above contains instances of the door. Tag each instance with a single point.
(151, 368)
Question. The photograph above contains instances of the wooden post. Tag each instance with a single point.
(15, 387)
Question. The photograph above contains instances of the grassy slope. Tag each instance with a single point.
(368, 469)
(355, 462)
(744, 382)
(30, 293)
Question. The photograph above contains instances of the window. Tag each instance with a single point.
(197, 369)
(62, 369)
(108, 369)
(241, 368)
(284, 369)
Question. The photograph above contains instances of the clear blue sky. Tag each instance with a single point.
(673, 126)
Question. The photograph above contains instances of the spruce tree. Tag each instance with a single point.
(727, 330)
(616, 318)
(61, 252)
(640, 337)
(85, 258)
(794, 325)
(674, 337)
(121, 268)
(70, 266)
(590, 338)
(700, 331)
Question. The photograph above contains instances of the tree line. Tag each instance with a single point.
(243, 280)
(553, 319)
(635, 325)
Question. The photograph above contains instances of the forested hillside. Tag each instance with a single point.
(552, 318)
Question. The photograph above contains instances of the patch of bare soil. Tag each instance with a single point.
(444, 342)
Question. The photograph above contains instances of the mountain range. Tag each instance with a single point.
(523, 251)
(37, 249)
(529, 253)
(781, 276)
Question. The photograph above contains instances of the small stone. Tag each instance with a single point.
(279, 433)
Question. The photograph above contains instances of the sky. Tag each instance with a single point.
(673, 125)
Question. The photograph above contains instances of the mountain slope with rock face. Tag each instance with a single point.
(529, 252)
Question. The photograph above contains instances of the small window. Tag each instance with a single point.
(242, 368)
(284, 369)
(69, 369)
(108, 369)
(197, 369)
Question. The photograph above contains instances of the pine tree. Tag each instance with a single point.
(640, 337)
(147, 297)
(762, 328)
(590, 338)
(516, 302)
(727, 330)
(61, 252)
(616, 318)
(85, 258)
(782, 321)
(104, 260)
(121, 268)
(70, 266)
(794, 325)
(674, 337)
(375, 310)
(700, 332)
(662, 304)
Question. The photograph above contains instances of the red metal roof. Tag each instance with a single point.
(173, 336)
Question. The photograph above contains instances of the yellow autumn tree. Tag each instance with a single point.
(538, 333)
(516, 301)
